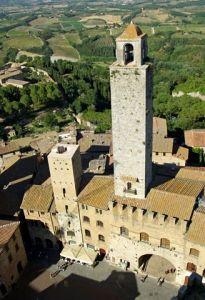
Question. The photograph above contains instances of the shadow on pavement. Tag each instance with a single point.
(118, 286)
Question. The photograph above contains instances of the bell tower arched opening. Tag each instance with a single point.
(128, 53)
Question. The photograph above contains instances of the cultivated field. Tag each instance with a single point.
(109, 19)
(22, 41)
(61, 47)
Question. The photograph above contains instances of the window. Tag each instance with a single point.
(98, 211)
(194, 252)
(164, 154)
(66, 208)
(42, 213)
(17, 247)
(31, 211)
(70, 233)
(128, 53)
(84, 206)
(129, 185)
(157, 153)
(101, 238)
(64, 192)
(87, 233)
(10, 258)
(124, 231)
(144, 237)
(86, 219)
(191, 267)
(99, 223)
(165, 243)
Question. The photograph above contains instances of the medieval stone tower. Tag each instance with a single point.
(66, 170)
(131, 98)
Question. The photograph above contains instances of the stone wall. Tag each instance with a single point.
(132, 128)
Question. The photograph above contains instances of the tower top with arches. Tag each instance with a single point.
(131, 46)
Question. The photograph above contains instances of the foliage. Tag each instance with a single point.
(10, 55)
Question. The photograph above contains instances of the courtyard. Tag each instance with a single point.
(83, 282)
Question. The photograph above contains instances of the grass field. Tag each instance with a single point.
(73, 38)
(23, 41)
(94, 23)
(111, 19)
(43, 21)
(70, 23)
(61, 47)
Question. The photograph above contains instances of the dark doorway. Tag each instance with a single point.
(128, 53)
(3, 289)
(102, 254)
(19, 267)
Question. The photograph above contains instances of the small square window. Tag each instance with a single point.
(10, 258)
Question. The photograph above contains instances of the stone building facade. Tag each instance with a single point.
(142, 222)
(13, 257)
(66, 170)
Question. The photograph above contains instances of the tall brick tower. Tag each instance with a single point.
(131, 98)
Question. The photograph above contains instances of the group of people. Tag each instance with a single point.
(62, 267)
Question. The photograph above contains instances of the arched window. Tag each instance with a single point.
(128, 53)
(191, 267)
(87, 233)
(194, 252)
(99, 223)
(144, 237)
(165, 243)
(86, 219)
(124, 231)
(101, 238)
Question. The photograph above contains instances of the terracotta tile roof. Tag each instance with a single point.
(15, 145)
(195, 137)
(139, 203)
(160, 126)
(196, 234)
(38, 198)
(131, 32)
(192, 173)
(175, 198)
(95, 142)
(182, 153)
(98, 192)
(182, 186)
(161, 144)
(7, 229)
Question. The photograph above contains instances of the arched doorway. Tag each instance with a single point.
(157, 266)
(49, 243)
(128, 53)
(38, 242)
